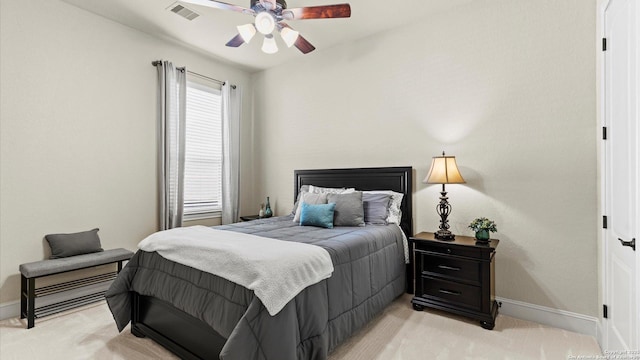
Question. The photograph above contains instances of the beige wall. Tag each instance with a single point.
(78, 129)
(506, 86)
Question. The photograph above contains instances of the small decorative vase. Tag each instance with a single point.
(267, 210)
(482, 235)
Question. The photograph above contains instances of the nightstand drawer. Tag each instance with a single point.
(449, 250)
(451, 292)
(452, 268)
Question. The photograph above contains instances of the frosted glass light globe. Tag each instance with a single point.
(289, 36)
(269, 45)
(247, 31)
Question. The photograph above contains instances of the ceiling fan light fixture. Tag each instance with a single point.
(268, 18)
(265, 23)
(269, 45)
(247, 31)
(289, 36)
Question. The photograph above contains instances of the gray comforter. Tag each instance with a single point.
(369, 273)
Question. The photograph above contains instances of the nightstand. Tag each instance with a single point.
(455, 276)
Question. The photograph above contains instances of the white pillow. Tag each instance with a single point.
(309, 198)
(303, 189)
(326, 190)
(395, 214)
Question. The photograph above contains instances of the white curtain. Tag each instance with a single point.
(172, 86)
(231, 99)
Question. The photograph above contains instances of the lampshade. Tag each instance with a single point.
(444, 170)
(247, 31)
(269, 45)
(289, 36)
(265, 23)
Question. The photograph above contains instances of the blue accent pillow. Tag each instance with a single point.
(320, 215)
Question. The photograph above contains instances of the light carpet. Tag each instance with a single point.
(398, 333)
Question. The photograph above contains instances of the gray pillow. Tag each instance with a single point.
(311, 199)
(395, 211)
(376, 208)
(349, 210)
(65, 245)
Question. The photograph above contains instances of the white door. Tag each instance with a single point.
(620, 185)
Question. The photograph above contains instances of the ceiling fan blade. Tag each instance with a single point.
(220, 5)
(318, 12)
(303, 45)
(236, 41)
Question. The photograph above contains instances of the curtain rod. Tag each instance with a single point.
(159, 62)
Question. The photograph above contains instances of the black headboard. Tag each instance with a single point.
(387, 178)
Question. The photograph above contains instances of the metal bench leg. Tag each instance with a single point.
(23, 296)
(31, 305)
(119, 266)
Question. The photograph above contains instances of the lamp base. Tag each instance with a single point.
(444, 235)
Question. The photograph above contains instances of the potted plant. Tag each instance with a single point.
(482, 226)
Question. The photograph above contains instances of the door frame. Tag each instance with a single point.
(602, 335)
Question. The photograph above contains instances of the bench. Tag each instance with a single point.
(93, 287)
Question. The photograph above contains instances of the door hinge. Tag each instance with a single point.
(604, 133)
(604, 44)
(604, 222)
(605, 311)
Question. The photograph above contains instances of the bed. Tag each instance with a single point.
(202, 316)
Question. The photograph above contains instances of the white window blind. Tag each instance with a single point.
(203, 151)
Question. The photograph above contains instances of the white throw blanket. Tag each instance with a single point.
(275, 270)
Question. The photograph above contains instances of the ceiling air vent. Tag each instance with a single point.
(183, 11)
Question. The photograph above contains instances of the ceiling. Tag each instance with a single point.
(210, 31)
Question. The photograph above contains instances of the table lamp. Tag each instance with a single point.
(444, 170)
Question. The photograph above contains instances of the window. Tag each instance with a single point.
(203, 151)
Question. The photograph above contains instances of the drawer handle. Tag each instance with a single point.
(449, 267)
(448, 251)
(450, 292)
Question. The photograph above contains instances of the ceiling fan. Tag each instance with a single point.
(270, 15)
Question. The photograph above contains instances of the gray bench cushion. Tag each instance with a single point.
(54, 266)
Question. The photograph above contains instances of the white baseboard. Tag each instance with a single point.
(600, 336)
(562, 319)
(9, 310)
